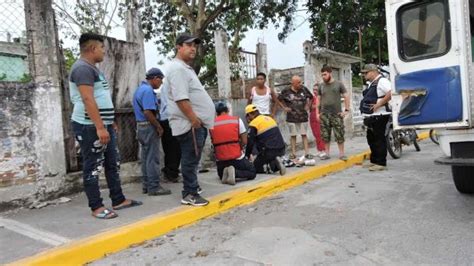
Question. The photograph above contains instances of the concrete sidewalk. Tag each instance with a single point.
(32, 231)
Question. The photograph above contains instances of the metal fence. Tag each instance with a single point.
(13, 42)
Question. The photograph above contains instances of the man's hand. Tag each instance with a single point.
(375, 107)
(159, 131)
(196, 123)
(115, 127)
(103, 135)
(342, 114)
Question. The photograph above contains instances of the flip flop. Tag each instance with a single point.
(133, 203)
(105, 214)
(343, 158)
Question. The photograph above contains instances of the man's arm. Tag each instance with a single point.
(87, 95)
(243, 139)
(186, 108)
(250, 141)
(383, 101)
(347, 103)
(151, 117)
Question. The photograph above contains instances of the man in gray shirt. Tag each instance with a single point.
(191, 114)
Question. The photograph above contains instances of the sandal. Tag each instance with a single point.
(343, 158)
(105, 214)
(133, 203)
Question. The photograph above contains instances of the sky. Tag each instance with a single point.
(280, 55)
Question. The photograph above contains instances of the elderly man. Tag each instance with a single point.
(376, 111)
(149, 131)
(297, 100)
(191, 112)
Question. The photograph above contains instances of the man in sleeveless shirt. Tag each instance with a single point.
(264, 97)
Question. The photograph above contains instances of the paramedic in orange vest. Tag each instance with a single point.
(265, 134)
(229, 136)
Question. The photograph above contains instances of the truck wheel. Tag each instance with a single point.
(463, 177)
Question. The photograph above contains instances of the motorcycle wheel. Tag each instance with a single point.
(394, 146)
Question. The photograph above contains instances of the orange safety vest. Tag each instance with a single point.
(225, 138)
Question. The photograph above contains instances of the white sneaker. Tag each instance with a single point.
(225, 175)
(230, 175)
(322, 154)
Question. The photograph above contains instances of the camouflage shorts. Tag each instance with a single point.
(331, 122)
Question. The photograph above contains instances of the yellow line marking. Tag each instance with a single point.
(95, 247)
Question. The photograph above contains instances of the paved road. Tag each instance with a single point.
(410, 214)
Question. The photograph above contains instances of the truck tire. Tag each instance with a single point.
(463, 177)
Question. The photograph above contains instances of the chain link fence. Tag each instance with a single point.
(13, 42)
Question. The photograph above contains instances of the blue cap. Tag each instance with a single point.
(221, 107)
(154, 72)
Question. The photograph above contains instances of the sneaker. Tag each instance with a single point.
(230, 175)
(309, 156)
(367, 165)
(292, 156)
(324, 157)
(160, 191)
(280, 165)
(199, 190)
(377, 167)
(194, 200)
(343, 158)
(225, 175)
(322, 154)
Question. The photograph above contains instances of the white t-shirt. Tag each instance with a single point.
(383, 87)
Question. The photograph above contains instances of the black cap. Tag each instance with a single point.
(154, 72)
(187, 38)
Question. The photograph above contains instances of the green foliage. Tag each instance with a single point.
(70, 56)
(344, 19)
(162, 21)
(26, 78)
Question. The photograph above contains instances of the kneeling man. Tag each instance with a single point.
(229, 136)
(265, 134)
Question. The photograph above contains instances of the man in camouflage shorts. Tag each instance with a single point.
(331, 122)
(331, 113)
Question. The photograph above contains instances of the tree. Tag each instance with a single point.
(96, 16)
(164, 20)
(344, 19)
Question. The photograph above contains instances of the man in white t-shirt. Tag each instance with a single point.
(229, 137)
(376, 111)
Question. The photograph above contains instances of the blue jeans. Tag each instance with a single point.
(190, 158)
(95, 157)
(150, 157)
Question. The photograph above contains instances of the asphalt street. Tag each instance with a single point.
(410, 214)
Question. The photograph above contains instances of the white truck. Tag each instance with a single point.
(431, 61)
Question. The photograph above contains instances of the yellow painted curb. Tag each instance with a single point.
(95, 247)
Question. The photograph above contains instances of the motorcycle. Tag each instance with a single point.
(398, 138)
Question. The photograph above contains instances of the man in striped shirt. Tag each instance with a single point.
(93, 125)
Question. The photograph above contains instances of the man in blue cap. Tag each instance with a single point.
(149, 131)
(229, 137)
